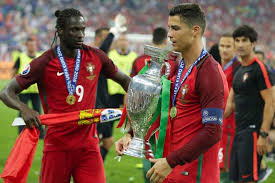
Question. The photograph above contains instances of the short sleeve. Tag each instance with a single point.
(263, 78)
(33, 72)
(134, 68)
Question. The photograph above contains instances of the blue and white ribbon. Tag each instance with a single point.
(71, 84)
(179, 74)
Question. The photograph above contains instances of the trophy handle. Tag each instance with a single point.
(167, 67)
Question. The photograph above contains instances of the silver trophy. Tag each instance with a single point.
(142, 99)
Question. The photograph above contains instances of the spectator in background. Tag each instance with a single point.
(251, 94)
(214, 51)
(260, 55)
(31, 93)
(103, 40)
(229, 64)
(124, 58)
(159, 41)
(102, 96)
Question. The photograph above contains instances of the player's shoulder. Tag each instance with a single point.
(45, 57)
(92, 50)
(88, 48)
(208, 63)
(142, 58)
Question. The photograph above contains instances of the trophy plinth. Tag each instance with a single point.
(136, 148)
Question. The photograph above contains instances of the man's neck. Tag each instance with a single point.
(247, 59)
(161, 46)
(31, 54)
(123, 51)
(68, 52)
(191, 55)
(225, 61)
(97, 44)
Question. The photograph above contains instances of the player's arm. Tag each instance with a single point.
(268, 109)
(106, 44)
(117, 29)
(267, 120)
(264, 84)
(16, 67)
(123, 79)
(9, 96)
(230, 105)
(113, 72)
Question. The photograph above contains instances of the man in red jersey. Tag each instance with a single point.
(199, 92)
(67, 77)
(251, 95)
(229, 64)
(159, 40)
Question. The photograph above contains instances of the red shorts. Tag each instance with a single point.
(225, 149)
(84, 165)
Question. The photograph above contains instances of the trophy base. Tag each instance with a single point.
(136, 148)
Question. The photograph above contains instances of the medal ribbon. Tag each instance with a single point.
(179, 74)
(229, 63)
(71, 84)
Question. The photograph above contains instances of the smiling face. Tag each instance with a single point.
(226, 48)
(180, 34)
(244, 47)
(72, 36)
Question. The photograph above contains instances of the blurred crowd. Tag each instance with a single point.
(20, 18)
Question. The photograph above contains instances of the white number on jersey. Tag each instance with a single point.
(79, 92)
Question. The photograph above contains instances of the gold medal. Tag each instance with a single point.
(173, 112)
(70, 99)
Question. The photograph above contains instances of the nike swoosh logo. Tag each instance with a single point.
(59, 73)
(245, 176)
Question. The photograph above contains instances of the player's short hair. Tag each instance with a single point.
(100, 30)
(227, 34)
(64, 15)
(159, 35)
(30, 38)
(191, 14)
(214, 51)
(246, 31)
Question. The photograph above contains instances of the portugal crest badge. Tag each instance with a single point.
(90, 68)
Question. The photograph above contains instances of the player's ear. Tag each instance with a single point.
(196, 30)
(60, 32)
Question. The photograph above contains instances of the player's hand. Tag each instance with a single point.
(159, 171)
(262, 145)
(123, 144)
(119, 26)
(30, 117)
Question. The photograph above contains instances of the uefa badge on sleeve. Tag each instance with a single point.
(26, 70)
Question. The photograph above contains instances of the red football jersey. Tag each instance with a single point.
(47, 72)
(138, 64)
(205, 87)
(229, 123)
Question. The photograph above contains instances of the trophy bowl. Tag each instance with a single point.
(142, 99)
